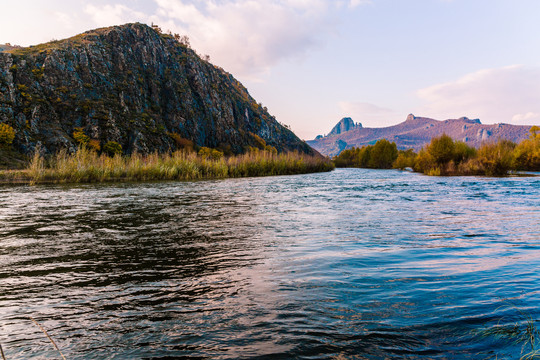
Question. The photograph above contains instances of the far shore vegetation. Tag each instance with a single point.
(445, 157)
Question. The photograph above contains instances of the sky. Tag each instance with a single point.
(312, 62)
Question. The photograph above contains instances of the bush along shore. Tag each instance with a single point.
(86, 165)
(445, 157)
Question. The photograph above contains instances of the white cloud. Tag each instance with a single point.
(109, 15)
(355, 3)
(530, 116)
(370, 115)
(509, 95)
(248, 37)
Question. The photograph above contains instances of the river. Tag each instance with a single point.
(351, 264)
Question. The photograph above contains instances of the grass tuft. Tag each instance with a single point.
(522, 332)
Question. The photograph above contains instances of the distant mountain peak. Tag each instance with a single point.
(415, 132)
(344, 125)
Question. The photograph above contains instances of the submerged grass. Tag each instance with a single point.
(87, 166)
(523, 332)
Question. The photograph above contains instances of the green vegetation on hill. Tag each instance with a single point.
(444, 156)
(86, 165)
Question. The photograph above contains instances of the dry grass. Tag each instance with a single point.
(86, 166)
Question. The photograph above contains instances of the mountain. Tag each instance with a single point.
(415, 132)
(344, 125)
(134, 85)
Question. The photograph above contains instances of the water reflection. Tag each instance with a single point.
(374, 264)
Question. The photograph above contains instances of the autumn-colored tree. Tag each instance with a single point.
(112, 148)
(7, 135)
(441, 149)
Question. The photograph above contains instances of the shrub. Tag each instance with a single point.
(182, 143)
(463, 152)
(208, 153)
(94, 144)
(270, 149)
(216, 154)
(38, 72)
(259, 142)
(424, 162)
(80, 137)
(7, 135)
(496, 158)
(112, 148)
(527, 153)
(405, 159)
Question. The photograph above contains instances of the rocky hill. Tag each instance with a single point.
(415, 132)
(133, 85)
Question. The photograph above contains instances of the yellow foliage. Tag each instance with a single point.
(7, 134)
(80, 137)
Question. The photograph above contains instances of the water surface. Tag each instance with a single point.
(355, 263)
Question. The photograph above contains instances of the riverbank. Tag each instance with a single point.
(86, 166)
(444, 156)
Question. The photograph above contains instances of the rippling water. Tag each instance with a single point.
(350, 264)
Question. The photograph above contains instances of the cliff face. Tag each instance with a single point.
(132, 85)
(415, 132)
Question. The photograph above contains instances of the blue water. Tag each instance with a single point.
(352, 264)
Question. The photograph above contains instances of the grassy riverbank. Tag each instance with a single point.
(86, 166)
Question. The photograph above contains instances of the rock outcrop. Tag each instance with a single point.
(344, 125)
(133, 85)
(415, 132)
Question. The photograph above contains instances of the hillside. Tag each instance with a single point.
(133, 85)
(415, 132)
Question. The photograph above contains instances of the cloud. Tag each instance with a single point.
(109, 15)
(509, 95)
(368, 114)
(248, 37)
(355, 3)
(530, 116)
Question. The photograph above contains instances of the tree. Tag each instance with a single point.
(441, 149)
(497, 158)
(383, 154)
(7, 135)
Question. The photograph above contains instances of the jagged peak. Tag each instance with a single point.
(344, 125)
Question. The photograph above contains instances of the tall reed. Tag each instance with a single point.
(86, 165)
